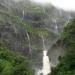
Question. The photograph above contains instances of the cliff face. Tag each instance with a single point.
(23, 23)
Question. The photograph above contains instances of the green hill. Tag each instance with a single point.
(66, 64)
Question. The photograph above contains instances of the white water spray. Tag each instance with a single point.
(46, 63)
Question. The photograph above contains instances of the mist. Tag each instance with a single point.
(33, 29)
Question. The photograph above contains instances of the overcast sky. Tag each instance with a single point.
(64, 4)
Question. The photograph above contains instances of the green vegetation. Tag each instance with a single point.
(13, 63)
(66, 65)
(15, 25)
(17, 19)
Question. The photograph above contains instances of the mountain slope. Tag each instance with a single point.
(66, 65)
(22, 25)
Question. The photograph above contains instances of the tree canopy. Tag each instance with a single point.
(13, 63)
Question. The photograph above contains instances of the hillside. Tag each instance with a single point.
(25, 26)
(66, 64)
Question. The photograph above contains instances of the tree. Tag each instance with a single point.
(13, 63)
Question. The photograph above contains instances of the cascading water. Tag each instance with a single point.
(29, 43)
(46, 63)
(56, 27)
(23, 13)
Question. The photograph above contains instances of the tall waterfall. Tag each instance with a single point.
(46, 63)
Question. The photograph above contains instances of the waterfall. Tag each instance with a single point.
(23, 14)
(56, 27)
(46, 63)
(44, 47)
(27, 36)
(29, 43)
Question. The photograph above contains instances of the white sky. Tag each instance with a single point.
(65, 4)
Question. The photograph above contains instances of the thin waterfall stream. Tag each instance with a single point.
(56, 27)
(28, 37)
(29, 44)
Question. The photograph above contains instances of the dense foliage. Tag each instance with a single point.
(67, 63)
(13, 63)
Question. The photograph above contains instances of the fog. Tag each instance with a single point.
(64, 4)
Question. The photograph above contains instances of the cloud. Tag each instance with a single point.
(64, 4)
(17, 0)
